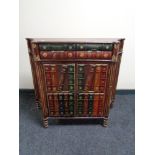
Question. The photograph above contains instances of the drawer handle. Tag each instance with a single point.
(45, 55)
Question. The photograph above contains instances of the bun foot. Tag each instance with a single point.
(105, 122)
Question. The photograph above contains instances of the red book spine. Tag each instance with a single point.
(106, 55)
(101, 105)
(82, 54)
(75, 54)
(54, 72)
(51, 104)
(95, 105)
(89, 78)
(97, 78)
(62, 77)
(96, 89)
(103, 77)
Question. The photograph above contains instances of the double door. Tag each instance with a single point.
(76, 89)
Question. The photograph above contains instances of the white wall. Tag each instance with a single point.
(77, 19)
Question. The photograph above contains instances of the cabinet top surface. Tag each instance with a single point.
(75, 40)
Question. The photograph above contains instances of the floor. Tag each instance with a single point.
(80, 137)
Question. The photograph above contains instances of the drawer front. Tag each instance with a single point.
(61, 104)
(76, 55)
(75, 47)
(59, 78)
(75, 51)
(90, 104)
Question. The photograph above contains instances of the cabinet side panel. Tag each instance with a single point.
(108, 93)
(41, 84)
(33, 69)
(116, 68)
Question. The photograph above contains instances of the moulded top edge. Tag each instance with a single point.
(75, 40)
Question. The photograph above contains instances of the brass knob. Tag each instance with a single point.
(106, 55)
(81, 55)
(70, 55)
(45, 54)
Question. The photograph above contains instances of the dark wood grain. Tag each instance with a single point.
(106, 88)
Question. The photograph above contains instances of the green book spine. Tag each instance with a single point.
(71, 104)
(80, 104)
(66, 104)
(61, 104)
(71, 78)
(81, 79)
(90, 103)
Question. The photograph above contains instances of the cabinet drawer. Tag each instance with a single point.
(90, 104)
(75, 51)
(76, 47)
(76, 54)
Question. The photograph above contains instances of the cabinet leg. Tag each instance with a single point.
(45, 122)
(112, 104)
(105, 122)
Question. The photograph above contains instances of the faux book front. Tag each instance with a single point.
(75, 79)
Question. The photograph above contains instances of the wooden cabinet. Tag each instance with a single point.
(75, 78)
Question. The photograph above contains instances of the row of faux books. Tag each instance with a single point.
(76, 55)
(62, 78)
(88, 104)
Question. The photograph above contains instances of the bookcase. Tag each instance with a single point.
(75, 78)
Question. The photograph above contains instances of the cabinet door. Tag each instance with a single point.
(91, 82)
(59, 78)
(92, 78)
(60, 86)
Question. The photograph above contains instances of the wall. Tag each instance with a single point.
(77, 19)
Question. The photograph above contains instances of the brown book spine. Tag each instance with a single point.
(62, 78)
(95, 105)
(51, 104)
(103, 77)
(97, 78)
(89, 78)
(101, 105)
(102, 88)
(96, 89)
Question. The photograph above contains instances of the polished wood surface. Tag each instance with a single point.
(75, 78)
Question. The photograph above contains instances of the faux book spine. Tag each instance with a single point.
(75, 47)
(76, 54)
